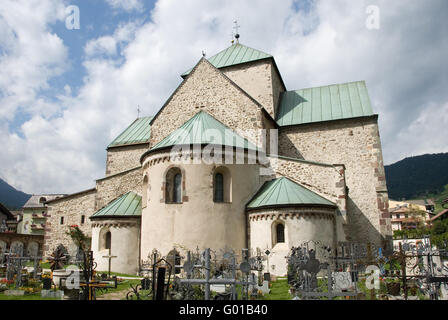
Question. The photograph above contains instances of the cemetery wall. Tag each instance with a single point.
(356, 144)
(7, 239)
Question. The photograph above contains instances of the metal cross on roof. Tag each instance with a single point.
(236, 26)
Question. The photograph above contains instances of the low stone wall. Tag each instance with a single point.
(6, 239)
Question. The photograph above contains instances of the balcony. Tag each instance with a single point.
(39, 215)
(39, 226)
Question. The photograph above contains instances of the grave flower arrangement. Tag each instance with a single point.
(5, 284)
(46, 281)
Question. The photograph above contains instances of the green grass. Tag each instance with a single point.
(279, 291)
(26, 297)
(118, 274)
(121, 286)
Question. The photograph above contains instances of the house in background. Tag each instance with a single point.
(407, 214)
(8, 221)
(34, 214)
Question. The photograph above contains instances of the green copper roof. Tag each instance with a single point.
(233, 55)
(128, 205)
(201, 129)
(284, 192)
(138, 132)
(339, 101)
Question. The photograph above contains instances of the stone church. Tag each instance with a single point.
(283, 167)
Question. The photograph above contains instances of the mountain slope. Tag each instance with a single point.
(12, 198)
(417, 177)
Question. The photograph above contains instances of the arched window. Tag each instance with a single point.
(177, 188)
(222, 185)
(145, 192)
(219, 187)
(42, 200)
(173, 186)
(280, 233)
(108, 240)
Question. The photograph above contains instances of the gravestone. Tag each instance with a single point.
(264, 288)
(342, 281)
(218, 288)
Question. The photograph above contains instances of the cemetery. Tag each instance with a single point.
(356, 271)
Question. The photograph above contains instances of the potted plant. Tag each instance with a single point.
(46, 281)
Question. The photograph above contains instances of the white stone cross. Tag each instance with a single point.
(110, 257)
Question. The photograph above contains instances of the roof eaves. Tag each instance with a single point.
(372, 116)
(127, 144)
(71, 195)
(300, 205)
(118, 173)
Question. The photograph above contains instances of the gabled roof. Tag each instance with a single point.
(39, 200)
(233, 55)
(333, 102)
(200, 130)
(6, 212)
(127, 205)
(282, 192)
(138, 132)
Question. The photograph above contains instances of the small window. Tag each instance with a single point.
(222, 185)
(83, 219)
(173, 186)
(145, 192)
(219, 187)
(62, 220)
(42, 200)
(177, 194)
(108, 240)
(280, 232)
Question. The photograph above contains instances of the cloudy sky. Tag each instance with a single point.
(66, 93)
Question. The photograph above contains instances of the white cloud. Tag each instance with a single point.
(62, 147)
(31, 53)
(127, 5)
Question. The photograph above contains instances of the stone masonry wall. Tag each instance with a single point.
(206, 88)
(71, 208)
(277, 87)
(120, 159)
(356, 144)
(112, 187)
(326, 180)
(259, 80)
